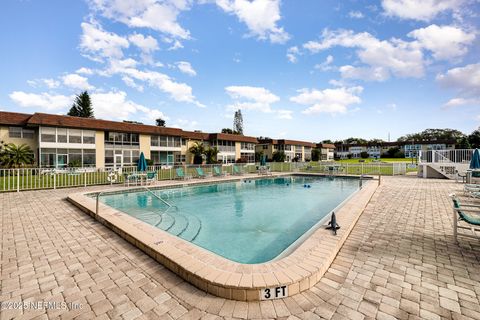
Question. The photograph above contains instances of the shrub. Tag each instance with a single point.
(278, 156)
(364, 154)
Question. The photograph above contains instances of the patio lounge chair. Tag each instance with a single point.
(237, 171)
(217, 172)
(151, 177)
(179, 174)
(130, 178)
(200, 173)
(469, 213)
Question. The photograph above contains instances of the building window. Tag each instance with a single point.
(74, 136)
(89, 158)
(265, 147)
(88, 137)
(15, 132)
(48, 135)
(248, 157)
(119, 138)
(247, 146)
(61, 135)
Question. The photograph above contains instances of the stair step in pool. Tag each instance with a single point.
(167, 222)
(192, 230)
(181, 223)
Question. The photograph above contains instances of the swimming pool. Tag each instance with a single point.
(249, 221)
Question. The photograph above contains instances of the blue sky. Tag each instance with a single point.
(308, 70)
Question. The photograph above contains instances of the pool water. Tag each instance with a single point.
(249, 221)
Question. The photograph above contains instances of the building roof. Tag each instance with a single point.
(232, 137)
(284, 141)
(326, 145)
(52, 120)
(196, 135)
(43, 119)
(395, 143)
(14, 118)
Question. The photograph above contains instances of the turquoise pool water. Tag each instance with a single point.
(250, 221)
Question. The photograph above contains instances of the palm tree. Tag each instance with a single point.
(16, 155)
(211, 154)
(198, 150)
(82, 107)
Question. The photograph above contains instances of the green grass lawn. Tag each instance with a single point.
(368, 160)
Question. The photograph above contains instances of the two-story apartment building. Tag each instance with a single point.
(327, 151)
(376, 150)
(60, 141)
(293, 149)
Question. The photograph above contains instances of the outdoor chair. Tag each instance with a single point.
(468, 213)
(179, 174)
(151, 177)
(237, 171)
(200, 173)
(130, 178)
(217, 172)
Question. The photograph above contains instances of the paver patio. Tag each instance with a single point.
(400, 261)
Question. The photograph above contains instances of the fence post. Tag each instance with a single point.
(54, 180)
(18, 180)
(85, 179)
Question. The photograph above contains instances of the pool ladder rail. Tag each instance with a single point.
(188, 221)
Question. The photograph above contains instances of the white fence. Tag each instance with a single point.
(42, 178)
(446, 156)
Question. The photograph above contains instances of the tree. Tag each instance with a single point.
(13, 155)
(229, 131)
(364, 154)
(463, 143)
(327, 141)
(432, 134)
(278, 156)
(258, 156)
(316, 154)
(238, 122)
(82, 106)
(160, 122)
(474, 139)
(211, 155)
(198, 150)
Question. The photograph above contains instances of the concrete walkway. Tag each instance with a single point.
(400, 262)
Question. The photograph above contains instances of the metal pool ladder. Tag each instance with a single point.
(160, 198)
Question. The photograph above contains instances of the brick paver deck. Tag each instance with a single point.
(400, 261)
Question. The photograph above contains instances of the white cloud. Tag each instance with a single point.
(114, 105)
(393, 57)
(75, 81)
(185, 124)
(423, 10)
(331, 101)
(356, 15)
(98, 44)
(43, 100)
(465, 79)
(158, 15)
(325, 65)
(186, 68)
(260, 16)
(131, 83)
(178, 91)
(147, 44)
(49, 83)
(368, 74)
(84, 70)
(292, 54)
(457, 102)
(284, 114)
(445, 42)
(251, 98)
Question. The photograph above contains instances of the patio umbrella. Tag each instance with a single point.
(475, 162)
(142, 163)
